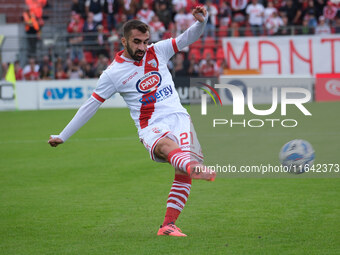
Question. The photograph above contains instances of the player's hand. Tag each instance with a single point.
(55, 141)
(199, 13)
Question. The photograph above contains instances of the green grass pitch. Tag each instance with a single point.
(99, 193)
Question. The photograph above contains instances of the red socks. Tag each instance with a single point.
(177, 198)
(180, 160)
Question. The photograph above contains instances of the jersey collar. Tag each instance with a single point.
(119, 59)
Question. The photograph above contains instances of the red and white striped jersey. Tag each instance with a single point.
(146, 86)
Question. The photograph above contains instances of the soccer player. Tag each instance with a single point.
(140, 74)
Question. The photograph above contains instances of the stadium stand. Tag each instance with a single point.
(56, 40)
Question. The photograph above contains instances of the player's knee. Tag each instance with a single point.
(164, 147)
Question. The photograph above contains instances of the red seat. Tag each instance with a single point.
(220, 53)
(197, 45)
(209, 42)
(208, 51)
(222, 31)
(196, 53)
(88, 57)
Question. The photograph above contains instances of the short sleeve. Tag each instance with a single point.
(166, 48)
(105, 88)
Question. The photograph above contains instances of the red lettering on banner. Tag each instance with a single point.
(292, 50)
(245, 51)
(331, 40)
(265, 62)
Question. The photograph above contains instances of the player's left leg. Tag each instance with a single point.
(177, 199)
(169, 150)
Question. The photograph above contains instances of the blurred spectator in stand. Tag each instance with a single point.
(193, 69)
(31, 70)
(46, 61)
(292, 11)
(238, 8)
(101, 46)
(273, 24)
(78, 7)
(190, 5)
(75, 73)
(111, 8)
(18, 71)
(102, 64)
(285, 29)
(319, 6)
(309, 10)
(222, 65)
(181, 21)
(329, 12)
(89, 71)
(323, 28)
(305, 29)
(181, 65)
(225, 14)
(130, 8)
(45, 73)
(163, 12)
(45, 68)
(255, 17)
(337, 25)
(90, 30)
(208, 67)
(234, 29)
(122, 19)
(211, 23)
(179, 4)
(32, 29)
(268, 11)
(60, 74)
(75, 28)
(312, 22)
(156, 29)
(36, 7)
(145, 14)
(95, 7)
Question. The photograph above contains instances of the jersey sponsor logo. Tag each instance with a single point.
(149, 82)
(160, 95)
(63, 93)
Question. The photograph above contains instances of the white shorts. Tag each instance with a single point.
(179, 128)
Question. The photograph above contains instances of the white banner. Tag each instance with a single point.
(284, 54)
(262, 87)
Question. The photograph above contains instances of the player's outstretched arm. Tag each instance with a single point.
(85, 112)
(193, 33)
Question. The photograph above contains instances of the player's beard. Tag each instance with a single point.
(134, 54)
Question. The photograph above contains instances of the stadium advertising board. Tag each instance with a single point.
(71, 94)
(22, 96)
(65, 94)
(302, 55)
(327, 87)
